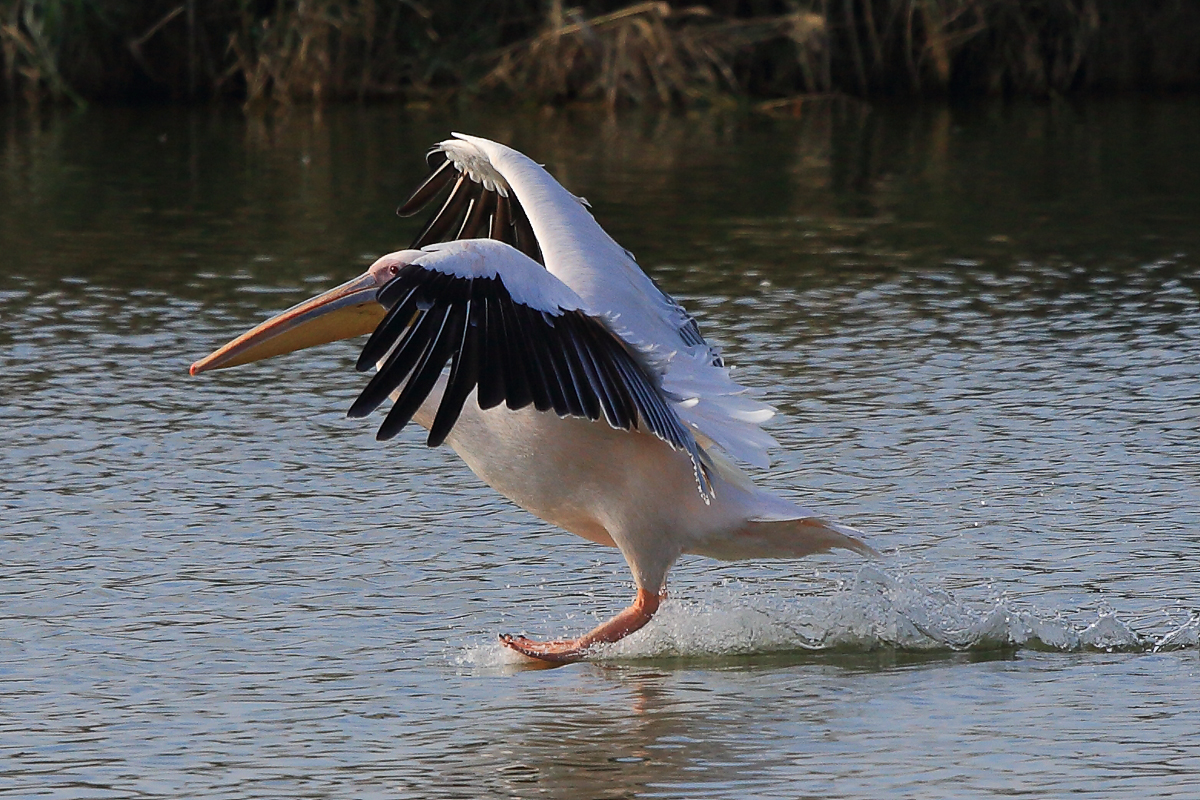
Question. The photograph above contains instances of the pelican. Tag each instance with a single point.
(575, 386)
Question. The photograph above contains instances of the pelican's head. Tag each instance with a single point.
(347, 310)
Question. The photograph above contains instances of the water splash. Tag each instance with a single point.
(877, 610)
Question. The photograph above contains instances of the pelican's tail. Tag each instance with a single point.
(772, 527)
(783, 538)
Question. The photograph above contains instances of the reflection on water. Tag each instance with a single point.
(983, 327)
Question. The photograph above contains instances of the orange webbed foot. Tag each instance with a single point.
(571, 650)
(559, 652)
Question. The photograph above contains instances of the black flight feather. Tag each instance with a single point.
(413, 348)
(523, 357)
(493, 369)
(502, 228)
(449, 217)
(435, 182)
(464, 373)
(424, 375)
(470, 211)
(475, 225)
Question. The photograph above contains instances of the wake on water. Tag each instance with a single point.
(876, 610)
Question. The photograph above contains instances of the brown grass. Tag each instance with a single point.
(655, 53)
(286, 56)
(30, 56)
(648, 53)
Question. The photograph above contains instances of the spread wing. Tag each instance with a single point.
(514, 334)
(482, 189)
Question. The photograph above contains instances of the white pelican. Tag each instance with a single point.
(576, 387)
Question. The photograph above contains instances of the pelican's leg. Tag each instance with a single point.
(620, 626)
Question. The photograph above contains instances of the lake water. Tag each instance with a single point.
(982, 328)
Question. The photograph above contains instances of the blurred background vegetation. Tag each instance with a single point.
(610, 52)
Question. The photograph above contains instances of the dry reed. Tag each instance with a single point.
(648, 53)
(613, 52)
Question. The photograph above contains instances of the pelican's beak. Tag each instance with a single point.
(349, 310)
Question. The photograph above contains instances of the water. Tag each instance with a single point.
(983, 329)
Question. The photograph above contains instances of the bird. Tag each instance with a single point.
(518, 332)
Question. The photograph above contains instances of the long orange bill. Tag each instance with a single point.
(348, 310)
